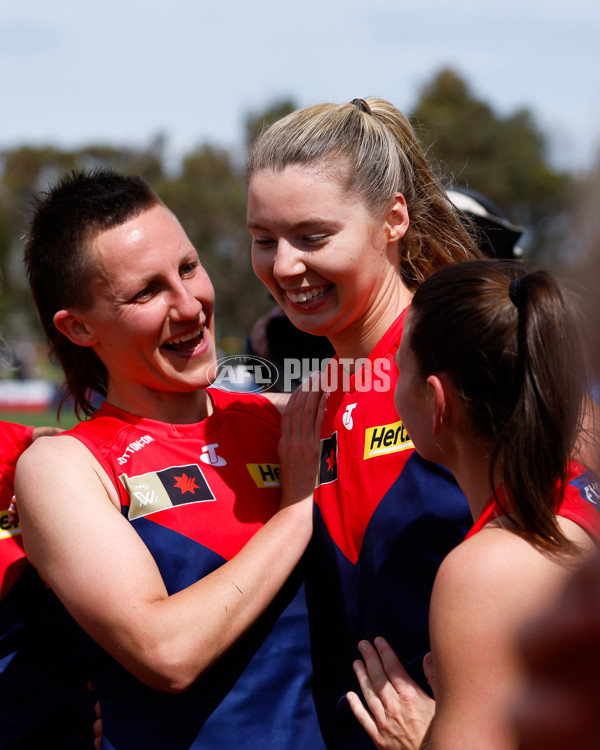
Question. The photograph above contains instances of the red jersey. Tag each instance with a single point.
(195, 494)
(14, 439)
(384, 520)
(579, 502)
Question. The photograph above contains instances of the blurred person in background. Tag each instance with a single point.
(494, 234)
(561, 706)
(44, 657)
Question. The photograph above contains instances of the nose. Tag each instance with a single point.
(288, 261)
(185, 305)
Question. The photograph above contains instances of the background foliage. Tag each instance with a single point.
(503, 156)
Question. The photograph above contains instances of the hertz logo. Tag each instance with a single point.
(264, 475)
(6, 528)
(388, 438)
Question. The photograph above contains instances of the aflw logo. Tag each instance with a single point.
(145, 496)
(388, 438)
(164, 489)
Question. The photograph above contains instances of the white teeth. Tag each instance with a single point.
(189, 337)
(307, 295)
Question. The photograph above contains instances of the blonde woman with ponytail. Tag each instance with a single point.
(348, 219)
(491, 385)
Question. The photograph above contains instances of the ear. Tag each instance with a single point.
(74, 327)
(397, 220)
(439, 401)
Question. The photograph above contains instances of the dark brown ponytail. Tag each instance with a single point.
(509, 341)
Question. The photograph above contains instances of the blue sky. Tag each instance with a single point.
(122, 71)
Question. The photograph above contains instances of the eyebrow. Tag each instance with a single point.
(298, 225)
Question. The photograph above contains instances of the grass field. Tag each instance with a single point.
(38, 419)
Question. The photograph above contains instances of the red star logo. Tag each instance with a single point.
(331, 461)
(186, 484)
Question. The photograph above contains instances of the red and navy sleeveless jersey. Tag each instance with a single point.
(14, 438)
(384, 521)
(579, 502)
(44, 656)
(196, 493)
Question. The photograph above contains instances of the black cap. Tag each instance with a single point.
(497, 237)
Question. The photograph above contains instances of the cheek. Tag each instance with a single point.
(407, 407)
(144, 324)
(404, 402)
(205, 292)
(398, 398)
(261, 265)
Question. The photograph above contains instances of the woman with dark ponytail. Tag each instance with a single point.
(491, 385)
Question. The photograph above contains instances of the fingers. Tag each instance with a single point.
(429, 669)
(45, 431)
(97, 726)
(400, 712)
(374, 666)
(363, 716)
(301, 422)
(13, 513)
(299, 446)
(377, 689)
(384, 667)
(302, 412)
(321, 415)
(398, 676)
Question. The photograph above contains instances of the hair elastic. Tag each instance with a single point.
(515, 291)
(362, 105)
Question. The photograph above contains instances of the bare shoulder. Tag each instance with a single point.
(59, 465)
(498, 557)
(49, 450)
(496, 580)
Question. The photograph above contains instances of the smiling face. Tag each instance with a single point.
(329, 263)
(151, 320)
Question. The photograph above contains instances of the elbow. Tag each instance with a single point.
(169, 670)
(173, 684)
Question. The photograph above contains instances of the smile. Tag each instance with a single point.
(308, 294)
(186, 343)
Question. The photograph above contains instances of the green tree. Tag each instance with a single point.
(504, 157)
(257, 121)
(27, 170)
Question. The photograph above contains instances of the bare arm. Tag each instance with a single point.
(104, 574)
(484, 592)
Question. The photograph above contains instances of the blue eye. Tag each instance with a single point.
(146, 294)
(188, 268)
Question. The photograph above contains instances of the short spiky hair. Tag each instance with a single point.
(64, 220)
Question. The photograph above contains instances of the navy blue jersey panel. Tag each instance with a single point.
(45, 663)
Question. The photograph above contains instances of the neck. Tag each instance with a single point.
(359, 341)
(470, 465)
(173, 408)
